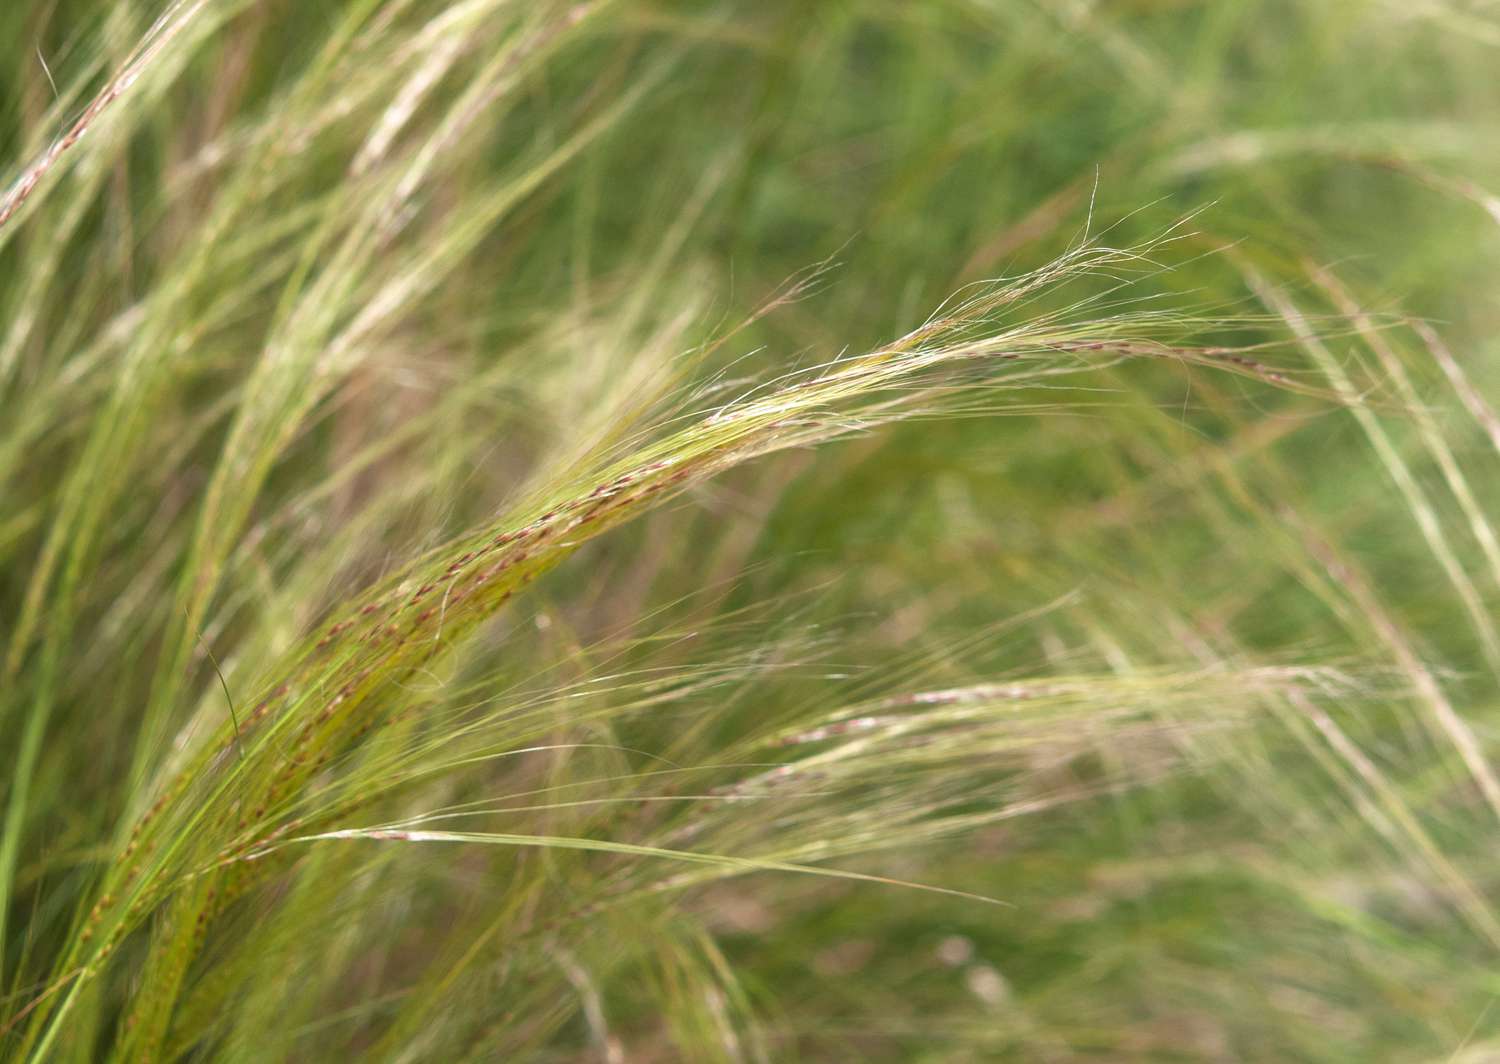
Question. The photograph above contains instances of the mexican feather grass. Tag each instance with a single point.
(650, 531)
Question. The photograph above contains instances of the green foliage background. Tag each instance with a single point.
(922, 530)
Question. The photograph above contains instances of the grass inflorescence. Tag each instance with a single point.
(629, 530)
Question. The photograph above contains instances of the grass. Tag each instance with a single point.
(668, 531)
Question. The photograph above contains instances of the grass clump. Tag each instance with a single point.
(632, 530)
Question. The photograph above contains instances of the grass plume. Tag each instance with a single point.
(470, 589)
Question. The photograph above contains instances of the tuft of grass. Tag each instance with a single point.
(634, 530)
